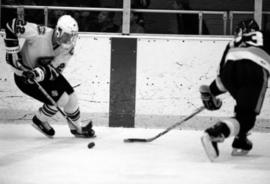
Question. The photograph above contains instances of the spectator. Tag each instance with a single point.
(9, 13)
(136, 4)
(33, 15)
(55, 14)
(105, 22)
(140, 4)
(135, 27)
(188, 23)
(161, 23)
(87, 19)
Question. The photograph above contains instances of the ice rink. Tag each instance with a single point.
(28, 157)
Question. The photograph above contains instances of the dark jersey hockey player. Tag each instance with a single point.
(243, 72)
(43, 56)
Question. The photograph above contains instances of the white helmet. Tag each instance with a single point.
(66, 31)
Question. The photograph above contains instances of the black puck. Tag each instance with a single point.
(91, 145)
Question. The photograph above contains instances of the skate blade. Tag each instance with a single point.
(239, 152)
(208, 147)
(85, 137)
(36, 127)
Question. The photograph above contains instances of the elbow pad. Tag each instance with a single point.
(13, 56)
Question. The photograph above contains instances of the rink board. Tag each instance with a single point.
(169, 71)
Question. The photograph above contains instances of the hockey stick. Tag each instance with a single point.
(55, 104)
(197, 111)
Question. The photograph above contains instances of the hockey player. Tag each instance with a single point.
(42, 58)
(243, 72)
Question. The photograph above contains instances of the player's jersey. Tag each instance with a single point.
(38, 44)
(254, 54)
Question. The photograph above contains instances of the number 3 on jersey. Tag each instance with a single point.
(20, 26)
(41, 29)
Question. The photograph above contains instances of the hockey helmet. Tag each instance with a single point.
(247, 26)
(66, 31)
(248, 32)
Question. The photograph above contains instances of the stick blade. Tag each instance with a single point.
(131, 140)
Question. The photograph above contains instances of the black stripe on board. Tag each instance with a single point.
(122, 82)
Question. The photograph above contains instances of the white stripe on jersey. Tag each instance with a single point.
(254, 54)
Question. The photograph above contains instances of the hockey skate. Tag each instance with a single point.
(241, 146)
(85, 131)
(211, 138)
(43, 127)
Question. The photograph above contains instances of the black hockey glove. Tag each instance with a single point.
(46, 62)
(37, 74)
(209, 100)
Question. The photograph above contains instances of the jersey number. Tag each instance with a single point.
(41, 29)
(19, 26)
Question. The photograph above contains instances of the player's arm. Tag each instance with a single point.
(44, 71)
(15, 29)
(209, 98)
(13, 55)
(20, 28)
(61, 61)
(216, 87)
(49, 68)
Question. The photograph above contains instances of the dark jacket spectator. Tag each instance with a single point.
(135, 26)
(188, 23)
(106, 22)
(87, 20)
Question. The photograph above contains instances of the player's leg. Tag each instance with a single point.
(249, 96)
(69, 101)
(71, 107)
(224, 128)
(248, 106)
(42, 116)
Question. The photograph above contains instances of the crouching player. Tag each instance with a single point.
(42, 58)
(243, 72)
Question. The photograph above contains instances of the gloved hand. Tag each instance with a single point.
(209, 100)
(37, 74)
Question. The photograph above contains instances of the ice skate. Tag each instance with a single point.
(210, 147)
(211, 138)
(43, 127)
(85, 131)
(241, 146)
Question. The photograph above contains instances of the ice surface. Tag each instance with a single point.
(28, 157)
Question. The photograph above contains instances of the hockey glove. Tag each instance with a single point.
(46, 63)
(209, 100)
(37, 74)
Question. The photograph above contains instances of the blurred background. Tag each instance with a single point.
(192, 17)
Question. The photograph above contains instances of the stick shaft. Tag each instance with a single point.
(197, 111)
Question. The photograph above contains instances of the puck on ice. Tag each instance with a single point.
(91, 145)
